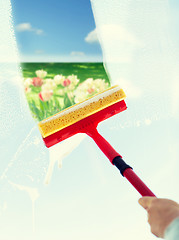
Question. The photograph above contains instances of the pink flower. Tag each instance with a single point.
(90, 90)
(66, 82)
(45, 95)
(37, 82)
(27, 89)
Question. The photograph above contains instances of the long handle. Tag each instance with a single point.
(116, 159)
(137, 183)
(130, 175)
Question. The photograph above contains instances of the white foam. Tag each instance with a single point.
(83, 104)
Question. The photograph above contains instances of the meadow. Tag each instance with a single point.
(82, 70)
(52, 87)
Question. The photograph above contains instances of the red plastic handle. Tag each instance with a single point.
(105, 147)
(139, 185)
(111, 153)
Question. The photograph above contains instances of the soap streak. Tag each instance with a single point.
(19, 150)
(33, 194)
(60, 151)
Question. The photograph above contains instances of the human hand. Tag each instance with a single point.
(161, 212)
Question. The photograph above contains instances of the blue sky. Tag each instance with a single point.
(55, 28)
(61, 30)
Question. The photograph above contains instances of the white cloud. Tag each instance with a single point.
(39, 51)
(27, 27)
(77, 53)
(92, 37)
(24, 27)
(39, 31)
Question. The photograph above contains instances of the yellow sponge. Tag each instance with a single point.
(81, 110)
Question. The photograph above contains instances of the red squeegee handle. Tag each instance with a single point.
(116, 159)
(130, 175)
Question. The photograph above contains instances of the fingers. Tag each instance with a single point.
(161, 213)
(145, 202)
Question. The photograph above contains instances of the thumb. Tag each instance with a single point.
(145, 202)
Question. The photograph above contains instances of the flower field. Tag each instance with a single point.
(52, 87)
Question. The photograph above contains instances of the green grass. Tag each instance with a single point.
(82, 70)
